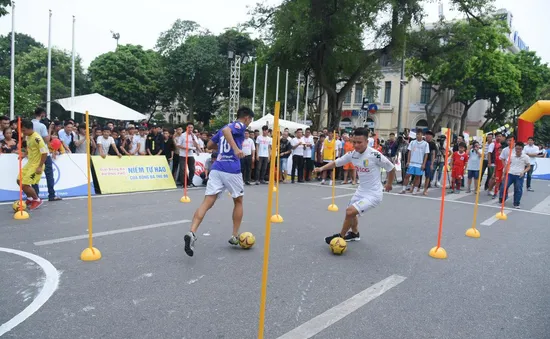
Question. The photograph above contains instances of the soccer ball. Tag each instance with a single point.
(16, 205)
(246, 240)
(338, 246)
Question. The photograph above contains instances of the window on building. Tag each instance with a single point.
(387, 92)
(425, 92)
(347, 100)
(371, 92)
(358, 94)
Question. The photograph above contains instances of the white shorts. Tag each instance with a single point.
(218, 182)
(364, 203)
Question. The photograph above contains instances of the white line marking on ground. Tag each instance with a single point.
(331, 316)
(494, 206)
(50, 285)
(102, 234)
(543, 206)
(456, 196)
(493, 219)
(338, 196)
(120, 194)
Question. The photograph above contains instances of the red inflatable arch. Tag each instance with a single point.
(526, 122)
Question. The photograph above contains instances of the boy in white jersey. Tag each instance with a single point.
(367, 162)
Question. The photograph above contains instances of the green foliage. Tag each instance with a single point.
(466, 57)
(542, 130)
(32, 69)
(3, 5)
(24, 101)
(130, 75)
(196, 73)
(327, 38)
(23, 44)
(176, 35)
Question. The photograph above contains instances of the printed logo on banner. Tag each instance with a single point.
(199, 168)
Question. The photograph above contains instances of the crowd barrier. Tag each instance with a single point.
(127, 174)
(69, 174)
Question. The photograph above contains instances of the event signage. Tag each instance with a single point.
(69, 175)
(133, 173)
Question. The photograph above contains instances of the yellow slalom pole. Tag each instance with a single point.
(90, 253)
(473, 232)
(276, 218)
(332, 207)
(268, 229)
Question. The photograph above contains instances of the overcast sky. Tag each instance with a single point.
(140, 21)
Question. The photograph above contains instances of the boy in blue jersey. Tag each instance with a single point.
(224, 175)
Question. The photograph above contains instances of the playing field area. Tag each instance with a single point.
(385, 286)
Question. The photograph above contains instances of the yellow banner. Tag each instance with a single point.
(132, 173)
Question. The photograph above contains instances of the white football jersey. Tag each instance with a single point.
(367, 165)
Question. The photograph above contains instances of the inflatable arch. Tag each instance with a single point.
(526, 121)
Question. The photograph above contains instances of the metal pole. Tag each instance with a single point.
(12, 72)
(265, 89)
(254, 88)
(401, 88)
(306, 108)
(277, 89)
(72, 69)
(298, 98)
(49, 79)
(286, 93)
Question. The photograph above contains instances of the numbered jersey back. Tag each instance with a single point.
(227, 161)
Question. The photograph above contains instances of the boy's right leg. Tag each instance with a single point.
(190, 237)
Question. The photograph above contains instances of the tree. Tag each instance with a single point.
(464, 57)
(195, 73)
(130, 75)
(25, 101)
(31, 73)
(176, 35)
(23, 44)
(3, 5)
(328, 37)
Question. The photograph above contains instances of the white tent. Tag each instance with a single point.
(99, 106)
(268, 120)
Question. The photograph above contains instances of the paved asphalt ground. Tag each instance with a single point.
(146, 287)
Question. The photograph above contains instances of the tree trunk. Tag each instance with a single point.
(334, 112)
(429, 109)
(443, 112)
(467, 106)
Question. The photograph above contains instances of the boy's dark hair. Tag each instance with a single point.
(531, 138)
(244, 112)
(265, 128)
(308, 129)
(430, 133)
(27, 124)
(188, 124)
(299, 129)
(361, 132)
(38, 111)
(520, 144)
(462, 144)
(497, 134)
(3, 118)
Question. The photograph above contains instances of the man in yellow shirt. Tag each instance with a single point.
(36, 152)
(329, 149)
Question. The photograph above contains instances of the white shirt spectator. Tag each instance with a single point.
(65, 138)
(339, 146)
(248, 146)
(518, 164)
(489, 148)
(262, 145)
(300, 149)
(309, 145)
(200, 143)
(371, 142)
(474, 161)
(143, 144)
(418, 149)
(136, 140)
(183, 139)
(530, 150)
(105, 144)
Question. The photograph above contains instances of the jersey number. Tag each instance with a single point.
(224, 145)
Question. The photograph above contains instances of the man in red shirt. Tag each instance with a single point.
(458, 163)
